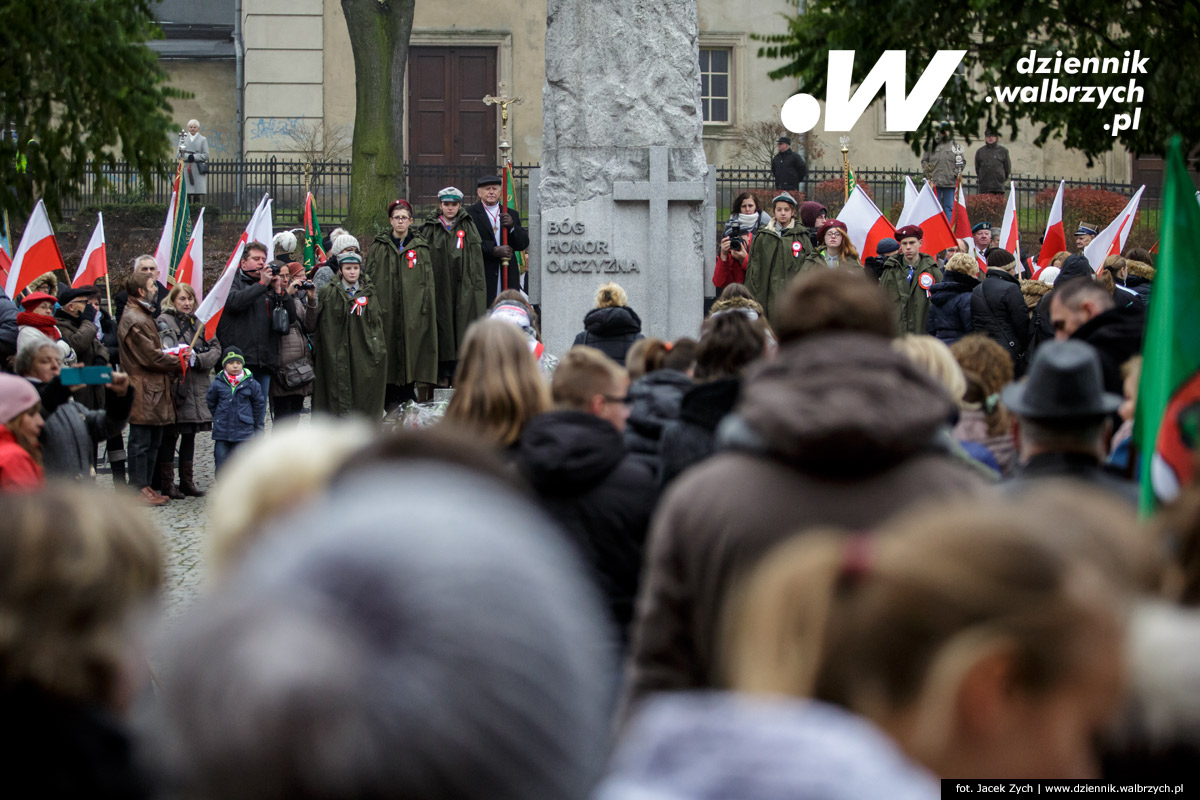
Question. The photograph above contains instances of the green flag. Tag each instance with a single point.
(181, 230)
(313, 253)
(1168, 407)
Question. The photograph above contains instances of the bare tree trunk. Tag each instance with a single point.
(379, 33)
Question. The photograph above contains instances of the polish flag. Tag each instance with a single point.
(865, 225)
(974, 251)
(191, 265)
(162, 254)
(1056, 235)
(37, 253)
(961, 224)
(260, 229)
(94, 264)
(1111, 240)
(1010, 236)
(910, 203)
(211, 307)
(928, 214)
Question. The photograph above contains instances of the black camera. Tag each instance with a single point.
(306, 285)
(276, 266)
(733, 229)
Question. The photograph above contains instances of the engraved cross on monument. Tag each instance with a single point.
(659, 191)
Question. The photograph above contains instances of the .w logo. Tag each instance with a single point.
(801, 112)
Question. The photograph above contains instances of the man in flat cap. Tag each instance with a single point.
(788, 166)
(490, 218)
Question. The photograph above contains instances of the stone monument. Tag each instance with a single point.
(624, 193)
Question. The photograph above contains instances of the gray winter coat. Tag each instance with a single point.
(71, 431)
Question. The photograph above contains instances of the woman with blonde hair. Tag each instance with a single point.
(178, 322)
(612, 326)
(498, 387)
(76, 565)
(950, 299)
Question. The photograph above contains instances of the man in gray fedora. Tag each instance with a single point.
(1063, 419)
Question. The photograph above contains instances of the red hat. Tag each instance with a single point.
(826, 226)
(909, 231)
(34, 299)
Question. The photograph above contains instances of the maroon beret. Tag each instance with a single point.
(826, 226)
(909, 230)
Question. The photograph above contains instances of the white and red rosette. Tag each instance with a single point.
(412, 258)
(796, 248)
(925, 281)
(359, 305)
(461, 234)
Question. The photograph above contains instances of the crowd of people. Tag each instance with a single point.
(872, 526)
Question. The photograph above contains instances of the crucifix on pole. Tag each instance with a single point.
(504, 102)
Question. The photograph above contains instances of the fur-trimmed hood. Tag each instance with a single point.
(731, 303)
(1141, 269)
(1034, 291)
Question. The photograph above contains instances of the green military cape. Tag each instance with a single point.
(405, 287)
(774, 262)
(351, 352)
(458, 280)
(910, 302)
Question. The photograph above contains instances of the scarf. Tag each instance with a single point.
(40, 322)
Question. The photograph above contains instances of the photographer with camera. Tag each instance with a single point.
(734, 254)
(247, 321)
(293, 380)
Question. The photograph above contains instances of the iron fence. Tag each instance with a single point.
(235, 186)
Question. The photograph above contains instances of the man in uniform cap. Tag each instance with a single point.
(787, 166)
(982, 232)
(1084, 235)
(490, 217)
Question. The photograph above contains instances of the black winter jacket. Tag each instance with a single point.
(789, 169)
(950, 307)
(1117, 336)
(998, 309)
(246, 321)
(692, 438)
(655, 402)
(611, 330)
(579, 468)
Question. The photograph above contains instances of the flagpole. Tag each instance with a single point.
(108, 295)
(845, 168)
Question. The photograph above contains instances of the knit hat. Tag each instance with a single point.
(1076, 266)
(296, 269)
(450, 194)
(886, 246)
(285, 241)
(1049, 275)
(341, 242)
(999, 258)
(909, 231)
(809, 211)
(17, 396)
(34, 299)
(232, 354)
(513, 312)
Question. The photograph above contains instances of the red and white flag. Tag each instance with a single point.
(94, 265)
(910, 203)
(1111, 240)
(191, 265)
(961, 224)
(1055, 240)
(928, 214)
(162, 253)
(865, 224)
(213, 304)
(37, 253)
(1010, 235)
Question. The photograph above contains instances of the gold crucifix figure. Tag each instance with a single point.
(504, 102)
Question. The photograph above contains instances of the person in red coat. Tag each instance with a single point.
(20, 425)
(733, 258)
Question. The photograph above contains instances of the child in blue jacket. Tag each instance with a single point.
(237, 403)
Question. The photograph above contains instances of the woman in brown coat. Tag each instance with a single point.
(150, 371)
(178, 323)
